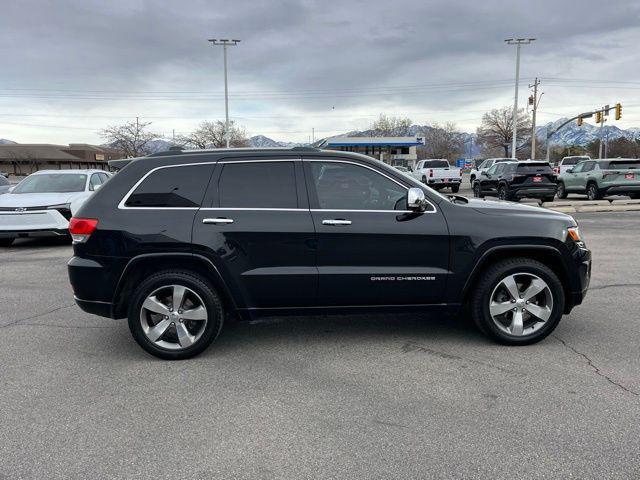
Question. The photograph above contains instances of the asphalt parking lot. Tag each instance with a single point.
(409, 396)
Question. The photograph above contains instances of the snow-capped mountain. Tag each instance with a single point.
(572, 134)
(4, 141)
(260, 141)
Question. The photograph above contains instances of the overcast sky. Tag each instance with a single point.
(69, 68)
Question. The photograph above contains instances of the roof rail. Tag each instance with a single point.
(305, 149)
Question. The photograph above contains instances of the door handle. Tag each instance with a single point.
(336, 222)
(217, 221)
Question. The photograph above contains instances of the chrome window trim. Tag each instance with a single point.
(122, 206)
(376, 171)
(254, 209)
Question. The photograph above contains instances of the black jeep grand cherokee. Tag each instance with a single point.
(176, 241)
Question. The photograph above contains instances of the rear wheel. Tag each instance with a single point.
(424, 179)
(502, 192)
(518, 301)
(6, 242)
(593, 193)
(175, 315)
(477, 192)
(561, 192)
(455, 188)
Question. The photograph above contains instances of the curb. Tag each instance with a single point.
(594, 206)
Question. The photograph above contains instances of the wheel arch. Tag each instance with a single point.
(141, 266)
(546, 254)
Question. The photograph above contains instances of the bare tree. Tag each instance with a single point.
(443, 141)
(132, 138)
(212, 135)
(391, 126)
(496, 130)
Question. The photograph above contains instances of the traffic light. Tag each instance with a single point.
(598, 117)
(618, 111)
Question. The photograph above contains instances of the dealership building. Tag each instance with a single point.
(25, 158)
(391, 150)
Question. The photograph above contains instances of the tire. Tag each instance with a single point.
(548, 199)
(472, 179)
(635, 196)
(199, 293)
(490, 287)
(424, 179)
(502, 193)
(561, 192)
(476, 190)
(6, 242)
(593, 193)
(455, 188)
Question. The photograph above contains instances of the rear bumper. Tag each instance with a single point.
(440, 181)
(33, 233)
(533, 192)
(622, 189)
(93, 284)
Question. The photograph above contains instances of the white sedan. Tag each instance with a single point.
(43, 203)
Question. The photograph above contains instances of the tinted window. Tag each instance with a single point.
(345, 186)
(436, 164)
(588, 166)
(52, 183)
(258, 185)
(574, 160)
(624, 164)
(492, 170)
(534, 168)
(182, 186)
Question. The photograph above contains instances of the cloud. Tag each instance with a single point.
(301, 64)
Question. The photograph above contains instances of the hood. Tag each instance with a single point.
(498, 207)
(38, 199)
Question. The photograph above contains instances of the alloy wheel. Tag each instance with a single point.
(591, 192)
(521, 304)
(173, 317)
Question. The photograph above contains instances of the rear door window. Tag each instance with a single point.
(258, 185)
(172, 187)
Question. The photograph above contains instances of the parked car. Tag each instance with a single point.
(5, 185)
(486, 165)
(516, 180)
(438, 173)
(43, 203)
(569, 162)
(177, 241)
(597, 178)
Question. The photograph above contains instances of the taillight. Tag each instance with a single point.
(82, 228)
(430, 172)
(556, 170)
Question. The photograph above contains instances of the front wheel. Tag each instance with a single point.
(548, 199)
(477, 192)
(6, 242)
(518, 301)
(175, 314)
(502, 193)
(561, 192)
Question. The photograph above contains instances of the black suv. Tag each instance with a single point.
(516, 180)
(178, 241)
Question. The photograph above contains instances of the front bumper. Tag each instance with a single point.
(35, 223)
(582, 263)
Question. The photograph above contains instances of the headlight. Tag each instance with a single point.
(63, 208)
(574, 234)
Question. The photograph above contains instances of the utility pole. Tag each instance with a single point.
(534, 101)
(518, 42)
(225, 43)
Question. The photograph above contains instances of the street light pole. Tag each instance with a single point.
(225, 43)
(518, 42)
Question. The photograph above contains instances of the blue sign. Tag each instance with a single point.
(460, 162)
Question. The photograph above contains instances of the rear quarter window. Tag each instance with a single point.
(172, 187)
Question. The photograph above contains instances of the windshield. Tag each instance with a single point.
(52, 183)
(436, 164)
(574, 160)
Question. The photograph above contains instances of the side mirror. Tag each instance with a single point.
(416, 199)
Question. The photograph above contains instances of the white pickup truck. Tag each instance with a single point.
(437, 174)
